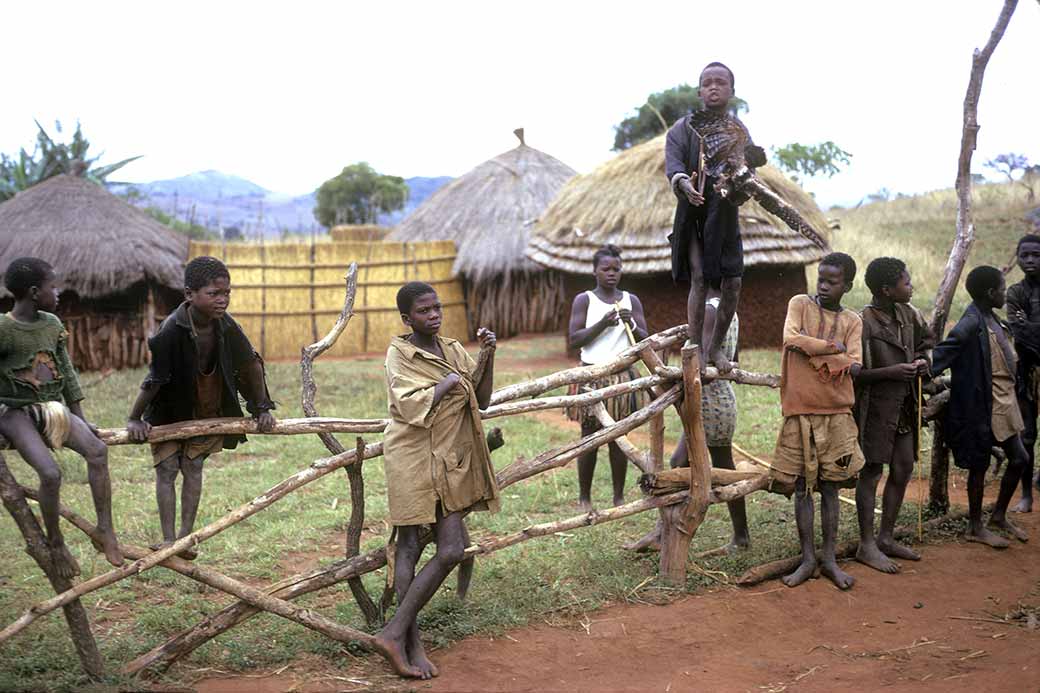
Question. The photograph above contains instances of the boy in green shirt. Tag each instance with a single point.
(39, 389)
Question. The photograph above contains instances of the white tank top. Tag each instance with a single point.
(610, 341)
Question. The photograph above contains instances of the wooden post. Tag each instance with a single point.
(263, 293)
(314, 316)
(36, 546)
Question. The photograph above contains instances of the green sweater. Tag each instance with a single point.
(22, 346)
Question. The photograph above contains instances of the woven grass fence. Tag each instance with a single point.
(286, 295)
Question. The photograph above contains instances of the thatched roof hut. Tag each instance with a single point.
(488, 212)
(627, 201)
(114, 261)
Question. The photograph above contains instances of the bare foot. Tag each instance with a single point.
(188, 554)
(65, 564)
(874, 557)
(1006, 525)
(1023, 506)
(893, 549)
(719, 360)
(394, 651)
(805, 571)
(984, 536)
(110, 547)
(619, 501)
(585, 506)
(839, 577)
(417, 656)
(736, 544)
(651, 541)
(464, 578)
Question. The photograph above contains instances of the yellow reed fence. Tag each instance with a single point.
(286, 295)
(345, 233)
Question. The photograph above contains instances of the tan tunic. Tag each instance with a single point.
(1007, 419)
(434, 454)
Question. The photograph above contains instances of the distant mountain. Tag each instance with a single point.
(216, 199)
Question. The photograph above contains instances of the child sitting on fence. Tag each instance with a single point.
(983, 410)
(604, 322)
(896, 341)
(1023, 312)
(40, 405)
(437, 462)
(201, 360)
(817, 446)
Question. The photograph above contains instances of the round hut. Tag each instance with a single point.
(628, 202)
(120, 270)
(488, 212)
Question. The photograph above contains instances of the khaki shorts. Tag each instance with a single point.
(817, 447)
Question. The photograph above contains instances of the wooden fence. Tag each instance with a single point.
(286, 295)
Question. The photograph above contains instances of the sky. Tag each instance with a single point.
(285, 94)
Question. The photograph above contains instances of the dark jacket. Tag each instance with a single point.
(967, 422)
(888, 341)
(1025, 296)
(174, 365)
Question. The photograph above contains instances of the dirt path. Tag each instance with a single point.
(888, 631)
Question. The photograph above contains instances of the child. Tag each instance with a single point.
(201, 360)
(705, 238)
(896, 342)
(36, 376)
(817, 443)
(437, 462)
(1023, 311)
(983, 410)
(598, 327)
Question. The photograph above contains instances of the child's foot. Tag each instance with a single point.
(585, 506)
(110, 547)
(619, 501)
(395, 653)
(839, 577)
(651, 541)
(805, 571)
(1023, 506)
(188, 554)
(1006, 525)
(65, 564)
(893, 549)
(719, 360)
(874, 557)
(417, 656)
(984, 536)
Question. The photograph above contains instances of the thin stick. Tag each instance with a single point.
(920, 467)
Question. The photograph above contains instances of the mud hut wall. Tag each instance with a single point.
(763, 301)
(287, 295)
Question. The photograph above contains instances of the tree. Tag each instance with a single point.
(1010, 163)
(358, 195)
(825, 158)
(659, 112)
(50, 158)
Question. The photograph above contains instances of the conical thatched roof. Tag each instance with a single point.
(98, 244)
(488, 212)
(628, 202)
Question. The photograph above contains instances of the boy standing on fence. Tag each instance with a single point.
(201, 360)
(1023, 311)
(896, 341)
(437, 462)
(983, 410)
(817, 445)
(40, 406)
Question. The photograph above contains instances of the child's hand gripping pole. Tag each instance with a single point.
(628, 328)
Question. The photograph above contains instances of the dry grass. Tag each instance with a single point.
(628, 202)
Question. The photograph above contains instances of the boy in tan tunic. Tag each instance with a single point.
(437, 462)
(817, 445)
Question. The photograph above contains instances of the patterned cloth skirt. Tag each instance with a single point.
(719, 412)
(617, 407)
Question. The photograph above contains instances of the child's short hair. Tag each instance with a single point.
(24, 273)
(203, 270)
(882, 272)
(982, 279)
(407, 294)
(732, 79)
(608, 250)
(1028, 238)
(843, 262)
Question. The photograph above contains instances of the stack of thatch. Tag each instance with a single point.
(488, 213)
(629, 203)
(119, 268)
